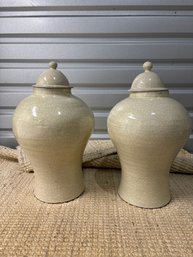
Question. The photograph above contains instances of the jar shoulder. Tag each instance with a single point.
(148, 115)
(53, 105)
(164, 108)
(52, 114)
(40, 118)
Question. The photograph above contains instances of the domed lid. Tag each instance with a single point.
(147, 81)
(52, 78)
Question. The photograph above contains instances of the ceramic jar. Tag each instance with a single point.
(53, 127)
(148, 129)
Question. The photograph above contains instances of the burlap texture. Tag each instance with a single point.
(100, 154)
(97, 224)
(8, 153)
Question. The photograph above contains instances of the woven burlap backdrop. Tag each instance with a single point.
(97, 224)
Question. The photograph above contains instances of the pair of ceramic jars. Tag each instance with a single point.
(148, 129)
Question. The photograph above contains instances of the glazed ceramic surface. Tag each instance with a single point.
(53, 127)
(148, 129)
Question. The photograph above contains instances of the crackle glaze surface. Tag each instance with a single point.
(53, 128)
(148, 129)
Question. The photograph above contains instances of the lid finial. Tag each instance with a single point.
(147, 66)
(53, 65)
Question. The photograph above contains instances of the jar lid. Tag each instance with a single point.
(52, 78)
(147, 81)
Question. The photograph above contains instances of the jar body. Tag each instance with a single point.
(53, 127)
(148, 130)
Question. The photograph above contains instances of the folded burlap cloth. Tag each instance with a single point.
(99, 154)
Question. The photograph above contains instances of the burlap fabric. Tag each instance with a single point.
(97, 224)
(99, 154)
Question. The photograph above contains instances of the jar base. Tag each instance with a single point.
(146, 206)
(62, 200)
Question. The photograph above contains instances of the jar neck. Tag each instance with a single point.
(135, 94)
(51, 91)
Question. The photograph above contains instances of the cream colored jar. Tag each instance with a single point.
(148, 129)
(53, 127)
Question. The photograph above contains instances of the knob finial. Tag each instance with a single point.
(147, 66)
(53, 65)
